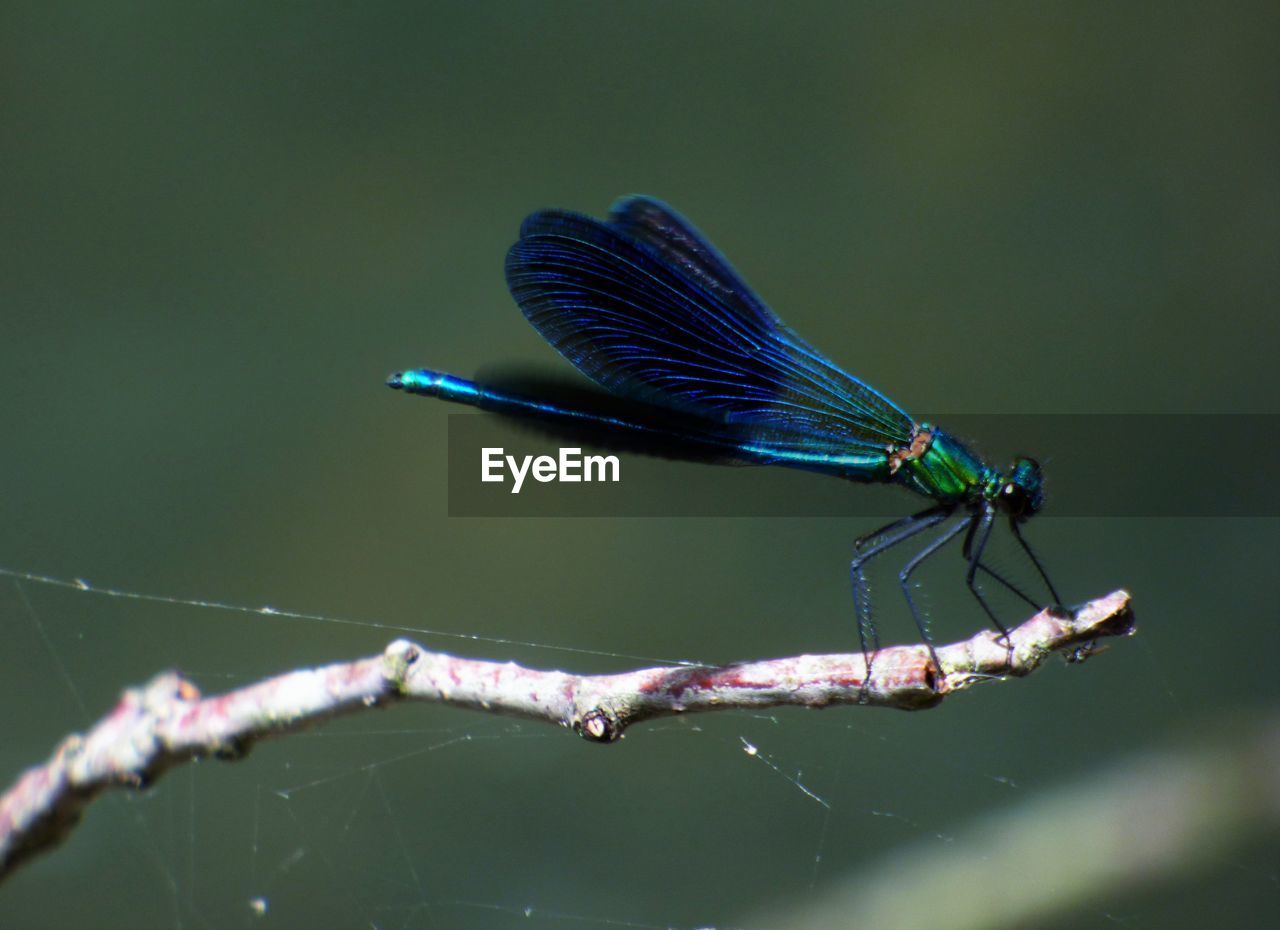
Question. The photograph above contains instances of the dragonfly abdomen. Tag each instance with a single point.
(635, 427)
(428, 383)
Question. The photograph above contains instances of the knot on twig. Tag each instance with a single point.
(397, 658)
(599, 726)
(161, 693)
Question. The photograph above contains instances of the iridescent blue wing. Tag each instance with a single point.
(677, 242)
(648, 309)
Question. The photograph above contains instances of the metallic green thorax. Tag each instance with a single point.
(947, 470)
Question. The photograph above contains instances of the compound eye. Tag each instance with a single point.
(1015, 497)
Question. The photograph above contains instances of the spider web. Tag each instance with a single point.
(433, 817)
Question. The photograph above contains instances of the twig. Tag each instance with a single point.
(166, 722)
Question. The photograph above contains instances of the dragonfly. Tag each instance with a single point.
(648, 309)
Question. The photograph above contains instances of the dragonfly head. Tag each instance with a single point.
(1021, 493)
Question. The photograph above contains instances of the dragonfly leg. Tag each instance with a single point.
(904, 578)
(980, 566)
(983, 522)
(868, 547)
(967, 548)
(1017, 534)
(983, 567)
(966, 552)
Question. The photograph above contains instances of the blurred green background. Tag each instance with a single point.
(224, 224)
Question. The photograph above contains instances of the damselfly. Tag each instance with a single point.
(644, 306)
